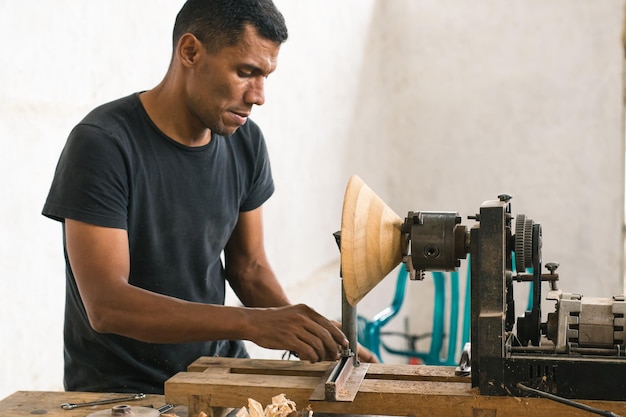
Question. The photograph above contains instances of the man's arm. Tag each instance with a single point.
(247, 268)
(100, 260)
(251, 276)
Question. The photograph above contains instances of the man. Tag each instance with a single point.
(151, 189)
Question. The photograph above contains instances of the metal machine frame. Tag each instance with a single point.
(576, 353)
(503, 362)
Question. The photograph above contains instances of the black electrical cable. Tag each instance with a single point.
(567, 401)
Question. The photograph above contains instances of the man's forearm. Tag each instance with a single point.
(258, 287)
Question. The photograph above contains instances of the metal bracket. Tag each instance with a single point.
(342, 382)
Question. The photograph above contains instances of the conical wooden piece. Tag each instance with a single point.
(371, 245)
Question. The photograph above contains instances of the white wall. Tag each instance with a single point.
(437, 105)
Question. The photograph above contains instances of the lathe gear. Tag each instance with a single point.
(523, 243)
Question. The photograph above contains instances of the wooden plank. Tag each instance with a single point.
(233, 390)
(418, 391)
(303, 368)
(251, 366)
(415, 373)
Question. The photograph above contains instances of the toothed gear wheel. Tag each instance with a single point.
(523, 243)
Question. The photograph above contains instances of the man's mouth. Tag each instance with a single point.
(240, 117)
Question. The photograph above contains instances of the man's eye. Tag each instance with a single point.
(245, 73)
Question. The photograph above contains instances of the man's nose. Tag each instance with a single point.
(256, 92)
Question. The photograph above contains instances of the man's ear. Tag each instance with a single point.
(188, 49)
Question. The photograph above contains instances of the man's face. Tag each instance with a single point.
(223, 86)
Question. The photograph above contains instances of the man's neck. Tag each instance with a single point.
(164, 110)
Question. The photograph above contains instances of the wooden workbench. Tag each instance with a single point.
(387, 390)
(391, 390)
(48, 404)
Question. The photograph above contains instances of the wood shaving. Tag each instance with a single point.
(281, 406)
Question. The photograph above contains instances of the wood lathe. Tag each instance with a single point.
(573, 363)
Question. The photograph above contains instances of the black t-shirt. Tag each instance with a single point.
(179, 205)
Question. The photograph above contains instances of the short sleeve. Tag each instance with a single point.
(262, 184)
(90, 183)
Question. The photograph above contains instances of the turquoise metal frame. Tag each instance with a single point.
(370, 331)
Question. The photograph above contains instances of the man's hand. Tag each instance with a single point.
(366, 355)
(296, 328)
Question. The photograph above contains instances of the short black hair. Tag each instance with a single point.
(220, 23)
